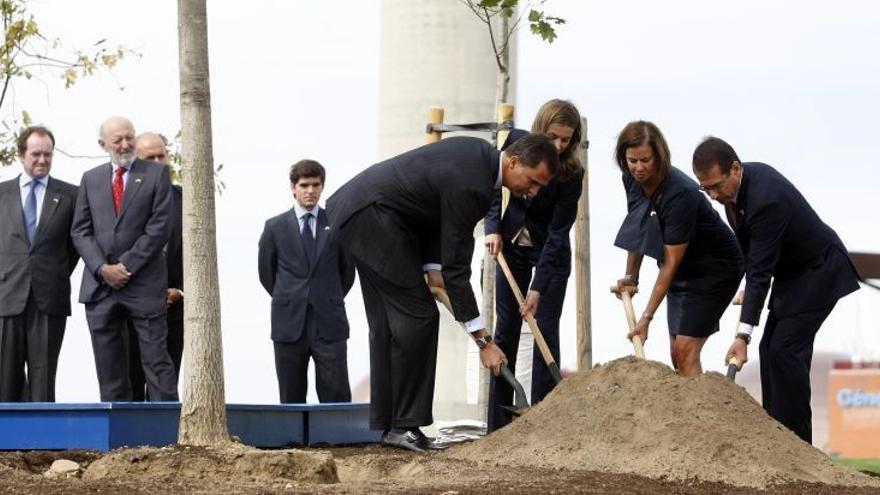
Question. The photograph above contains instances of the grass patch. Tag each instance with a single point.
(867, 465)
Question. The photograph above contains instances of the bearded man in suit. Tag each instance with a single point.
(120, 228)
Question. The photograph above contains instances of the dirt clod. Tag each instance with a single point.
(300, 465)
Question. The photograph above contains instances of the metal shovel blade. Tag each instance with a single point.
(732, 368)
(520, 404)
(731, 372)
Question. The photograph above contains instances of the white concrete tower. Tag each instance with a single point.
(433, 52)
(438, 53)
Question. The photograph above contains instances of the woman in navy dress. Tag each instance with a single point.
(533, 232)
(669, 219)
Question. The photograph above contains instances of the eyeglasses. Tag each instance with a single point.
(716, 186)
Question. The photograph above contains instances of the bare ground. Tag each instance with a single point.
(368, 469)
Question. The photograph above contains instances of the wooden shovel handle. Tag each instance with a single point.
(733, 363)
(626, 298)
(530, 319)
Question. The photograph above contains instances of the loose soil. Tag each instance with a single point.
(626, 427)
(639, 417)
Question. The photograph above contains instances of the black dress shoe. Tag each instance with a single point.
(403, 439)
(425, 442)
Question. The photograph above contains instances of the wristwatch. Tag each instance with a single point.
(483, 341)
(744, 337)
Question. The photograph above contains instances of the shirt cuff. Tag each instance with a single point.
(432, 266)
(474, 325)
(746, 328)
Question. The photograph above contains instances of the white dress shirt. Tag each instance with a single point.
(301, 213)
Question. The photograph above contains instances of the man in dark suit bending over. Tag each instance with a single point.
(423, 205)
(783, 239)
(36, 259)
(302, 267)
(120, 228)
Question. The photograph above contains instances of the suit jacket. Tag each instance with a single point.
(295, 284)
(783, 238)
(438, 192)
(174, 251)
(45, 266)
(548, 216)
(136, 237)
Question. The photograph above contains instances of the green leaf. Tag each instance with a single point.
(542, 25)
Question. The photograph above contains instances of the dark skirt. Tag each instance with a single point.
(695, 304)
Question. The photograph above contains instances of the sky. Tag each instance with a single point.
(793, 85)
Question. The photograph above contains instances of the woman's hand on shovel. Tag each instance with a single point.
(641, 329)
(494, 244)
(530, 305)
(627, 283)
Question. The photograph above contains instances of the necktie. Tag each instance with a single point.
(118, 189)
(30, 211)
(735, 215)
(308, 237)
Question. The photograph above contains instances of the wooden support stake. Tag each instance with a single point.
(530, 319)
(583, 331)
(435, 116)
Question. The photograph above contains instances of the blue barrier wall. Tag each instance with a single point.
(106, 426)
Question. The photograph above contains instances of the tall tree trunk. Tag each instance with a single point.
(488, 278)
(503, 81)
(203, 412)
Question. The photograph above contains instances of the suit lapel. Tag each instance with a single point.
(132, 186)
(322, 231)
(104, 193)
(11, 202)
(742, 201)
(51, 200)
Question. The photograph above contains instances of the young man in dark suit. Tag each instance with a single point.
(36, 260)
(302, 267)
(784, 240)
(120, 228)
(422, 206)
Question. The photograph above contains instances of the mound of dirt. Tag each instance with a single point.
(640, 417)
(205, 463)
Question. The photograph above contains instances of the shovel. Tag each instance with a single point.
(530, 319)
(519, 396)
(626, 298)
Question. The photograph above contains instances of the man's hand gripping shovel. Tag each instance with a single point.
(521, 404)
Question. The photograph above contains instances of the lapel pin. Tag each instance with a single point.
(138, 180)
(55, 200)
(327, 227)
